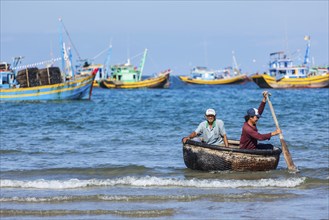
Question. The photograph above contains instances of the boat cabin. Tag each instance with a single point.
(228, 72)
(203, 73)
(318, 71)
(281, 66)
(87, 69)
(7, 76)
(4, 66)
(125, 73)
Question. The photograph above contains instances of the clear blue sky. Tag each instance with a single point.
(178, 34)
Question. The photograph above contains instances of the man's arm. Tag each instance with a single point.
(192, 135)
(262, 104)
(225, 140)
(254, 134)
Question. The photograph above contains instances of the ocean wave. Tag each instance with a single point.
(10, 151)
(149, 181)
(149, 198)
(100, 170)
(129, 213)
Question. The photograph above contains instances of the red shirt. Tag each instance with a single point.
(250, 135)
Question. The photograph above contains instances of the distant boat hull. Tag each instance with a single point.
(161, 81)
(266, 81)
(96, 83)
(233, 80)
(80, 88)
(205, 157)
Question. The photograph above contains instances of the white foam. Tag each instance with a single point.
(34, 199)
(151, 182)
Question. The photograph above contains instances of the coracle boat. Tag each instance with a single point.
(205, 157)
(283, 74)
(126, 76)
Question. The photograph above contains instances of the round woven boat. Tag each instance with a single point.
(202, 156)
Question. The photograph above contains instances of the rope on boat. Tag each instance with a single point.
(68, 35)
(37, 64)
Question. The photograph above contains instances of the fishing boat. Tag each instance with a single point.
(205, 157)
(29, 83)
(159, 81)
(204, 76)
(282, 73)
(88, 70)
(127, 76)
(86, 67)
(33, 84)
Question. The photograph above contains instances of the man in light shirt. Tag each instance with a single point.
(210, 131)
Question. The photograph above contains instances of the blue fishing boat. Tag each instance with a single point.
(10, 90)
(50, 83)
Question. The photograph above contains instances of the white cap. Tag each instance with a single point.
(211, 112)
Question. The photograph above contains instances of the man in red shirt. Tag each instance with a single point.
(250, 136)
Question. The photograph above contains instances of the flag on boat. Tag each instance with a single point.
(307, 37)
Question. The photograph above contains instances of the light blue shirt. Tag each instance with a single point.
(214, 135)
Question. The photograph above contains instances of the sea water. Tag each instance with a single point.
(120, 156)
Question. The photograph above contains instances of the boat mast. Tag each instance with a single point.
(235, 65)
(107, 63)
(141, 66)
(16, 61)
(307, 53)
(66, 54)
(60, 29)
(69, 63)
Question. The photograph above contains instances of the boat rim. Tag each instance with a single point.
(276, 150)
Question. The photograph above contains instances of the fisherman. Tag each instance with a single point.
(250, 136)
(211, 131)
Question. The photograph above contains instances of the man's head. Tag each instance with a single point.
(253, 115)
(210, 115)
(210, 111)
(253, 112)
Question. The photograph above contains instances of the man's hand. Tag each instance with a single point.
(265, 93)
(185, 139)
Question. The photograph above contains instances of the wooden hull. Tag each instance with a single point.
(157, 82)
(266, 81)
(205, 157)
(80, 88)
(234, 80)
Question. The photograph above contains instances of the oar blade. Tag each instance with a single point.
(287, 156)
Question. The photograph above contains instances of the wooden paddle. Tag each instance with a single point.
(285, 150)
